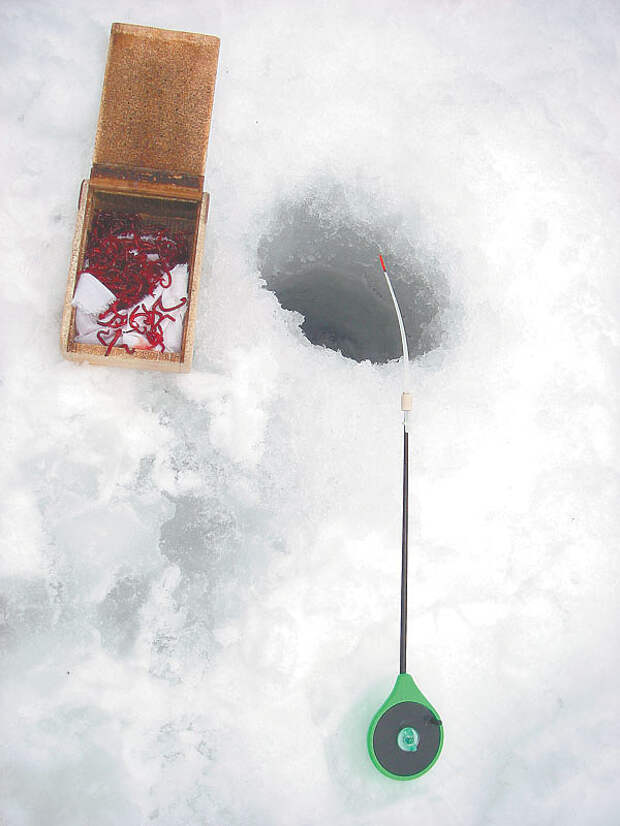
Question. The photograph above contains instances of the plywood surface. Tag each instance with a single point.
(157, 98)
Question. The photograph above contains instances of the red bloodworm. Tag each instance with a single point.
(117, 334)
(101, 335)
(117, 319)
(118, 254)
(159, 306)
(168, 276)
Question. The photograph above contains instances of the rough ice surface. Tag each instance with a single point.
(199, 574)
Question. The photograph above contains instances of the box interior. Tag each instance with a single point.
(174, 215)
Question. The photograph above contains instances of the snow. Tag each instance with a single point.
(199, 574)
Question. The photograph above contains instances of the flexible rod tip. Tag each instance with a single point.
(382, 263)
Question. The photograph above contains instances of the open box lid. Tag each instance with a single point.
(156, 103)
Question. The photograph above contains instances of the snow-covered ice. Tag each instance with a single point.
(199, 574)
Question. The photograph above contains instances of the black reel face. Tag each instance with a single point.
(407, 738)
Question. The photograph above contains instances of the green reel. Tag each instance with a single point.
(405, 737)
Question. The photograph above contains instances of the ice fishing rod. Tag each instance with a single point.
(405, 735)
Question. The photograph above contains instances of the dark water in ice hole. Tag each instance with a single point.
(323, 264)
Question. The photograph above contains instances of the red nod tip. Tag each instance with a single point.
(382, 263)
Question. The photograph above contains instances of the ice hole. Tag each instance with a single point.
(322, 262)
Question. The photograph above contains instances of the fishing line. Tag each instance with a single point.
(405, 407)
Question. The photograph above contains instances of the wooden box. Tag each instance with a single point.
(149, 160)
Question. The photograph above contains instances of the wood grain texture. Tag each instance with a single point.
(158, 189)
(66, 328)
(187, 347)
(130, 176)
(157, 97)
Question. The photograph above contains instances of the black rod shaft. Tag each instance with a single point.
(403, 569)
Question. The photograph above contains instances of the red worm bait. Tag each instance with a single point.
(132, 259)
(148, 322)
(101, 335)
(112, 317)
